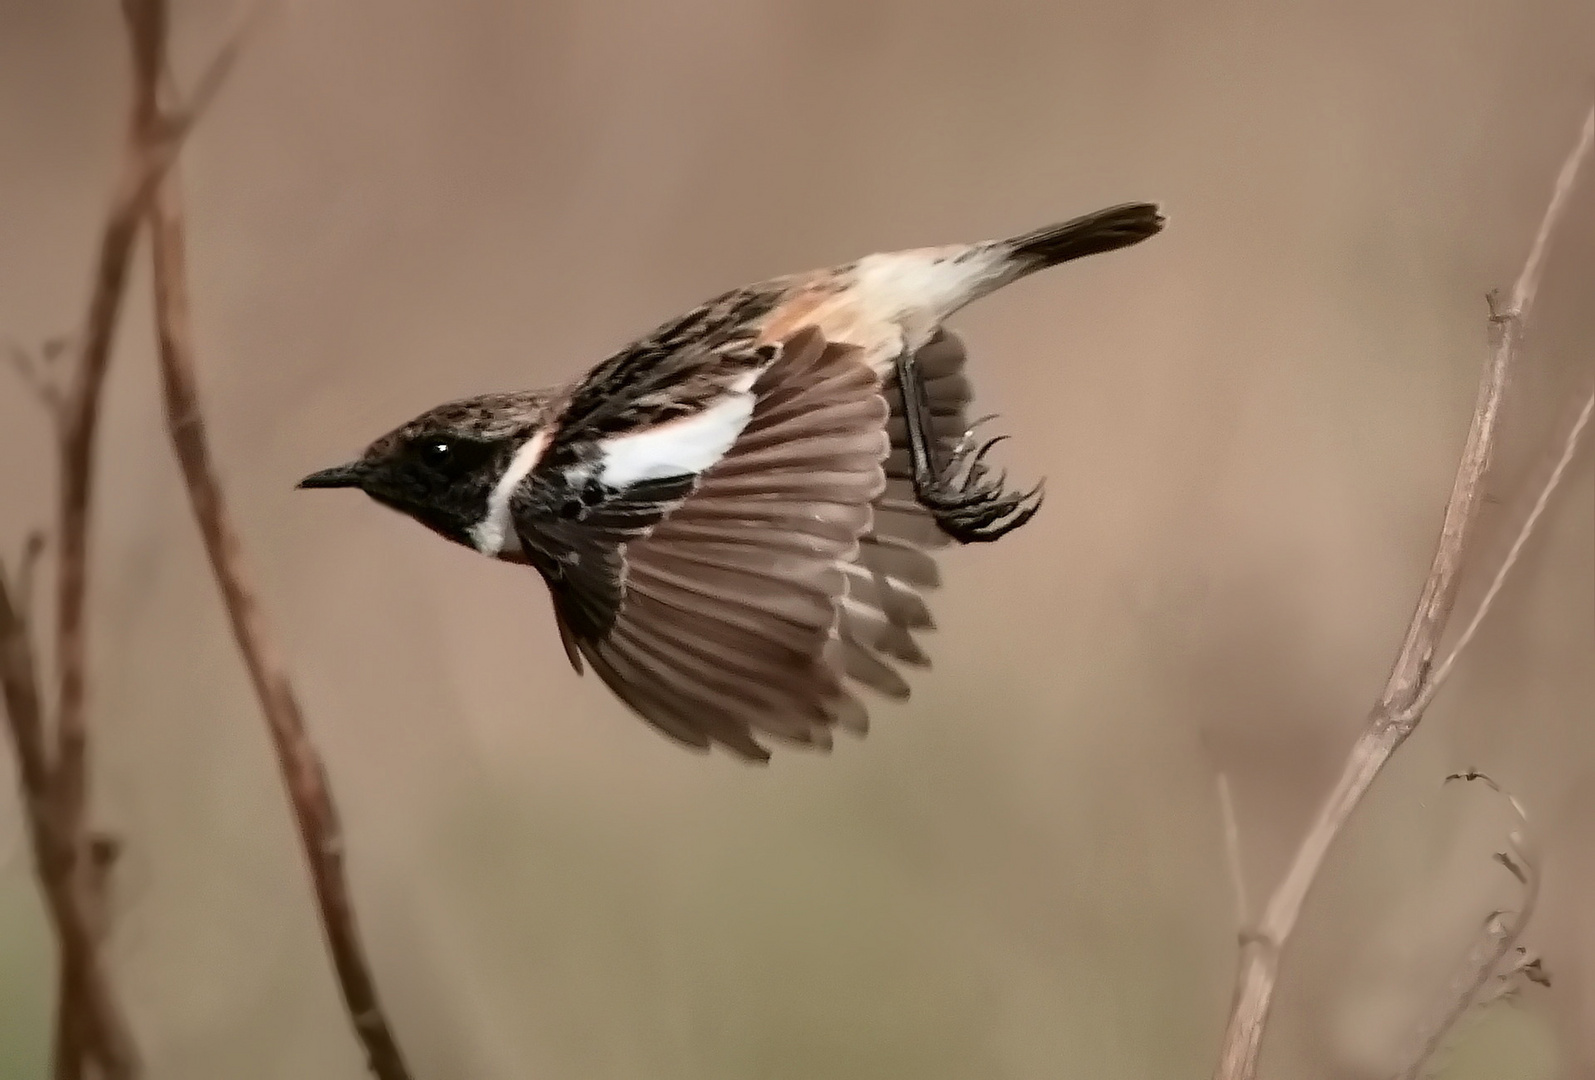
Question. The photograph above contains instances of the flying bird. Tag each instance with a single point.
(735, 514)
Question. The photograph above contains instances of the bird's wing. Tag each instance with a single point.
(709, 601)
(894, 568)
(631, 442)
(673, 372)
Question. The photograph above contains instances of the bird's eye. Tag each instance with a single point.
(437, 452)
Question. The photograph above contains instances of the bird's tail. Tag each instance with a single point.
(1089, 234)
(995, 263)
(932, 283)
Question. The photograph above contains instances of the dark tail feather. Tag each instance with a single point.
(1090, 234)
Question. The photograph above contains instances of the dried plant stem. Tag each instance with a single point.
(1412, 681)
(1232, 852)
(89, 1022)
(1490, 950)
(84, 990)
(1442, 670)
(303, 774)
(73, 863)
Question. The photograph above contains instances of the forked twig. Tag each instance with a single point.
(303, 772)
(1442, 670)
(1412, 681)
(90, 1025)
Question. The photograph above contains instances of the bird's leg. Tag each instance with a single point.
(967, 506)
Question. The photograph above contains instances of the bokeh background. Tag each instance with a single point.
(1248, 427)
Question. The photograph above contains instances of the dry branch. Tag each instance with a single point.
(1486, 965)
(304, 775)
(87, 1009)
(1232, 853)
(89, 1022)
(1414, 679)
(19, 679)
(73, 863)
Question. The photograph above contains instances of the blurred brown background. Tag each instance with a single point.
(1248, 428)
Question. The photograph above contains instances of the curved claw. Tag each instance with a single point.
(966, 472)
(966, 445)
(994, 521)
(984, 450)
(967, 505)
(977, 468)
(984, 514)
(968, 437)
(987, 530)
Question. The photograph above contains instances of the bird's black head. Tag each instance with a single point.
(441, 467)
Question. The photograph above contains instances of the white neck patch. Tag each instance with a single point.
(490, 533)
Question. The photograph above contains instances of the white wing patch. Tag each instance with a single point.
(489, 534)
(682, 447)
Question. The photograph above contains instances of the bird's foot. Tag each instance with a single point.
(967, 503)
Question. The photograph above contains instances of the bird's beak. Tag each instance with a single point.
(340, 476)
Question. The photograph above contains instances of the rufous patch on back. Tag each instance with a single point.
(828, 306)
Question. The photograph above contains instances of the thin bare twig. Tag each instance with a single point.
(37, 376)
(1397, 713)
(68, 905)
(1232, 853)
(214, 77)
(32, 551)
(1443, 670)
(90, 1025)
(72, 910)
(1522, 298)
(303, 772)
(1486, 964)
(19, 681)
